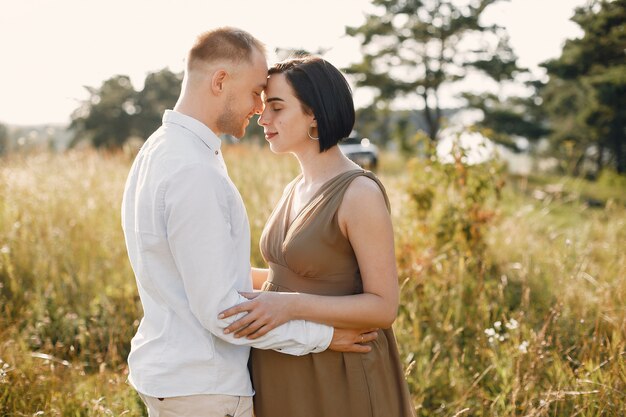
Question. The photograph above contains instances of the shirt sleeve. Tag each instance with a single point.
(202, 245)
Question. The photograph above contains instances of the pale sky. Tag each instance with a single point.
(50, 49)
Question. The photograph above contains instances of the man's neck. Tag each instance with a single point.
(198, 109)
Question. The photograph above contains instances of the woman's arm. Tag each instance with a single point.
(371, 235)
(259, 276)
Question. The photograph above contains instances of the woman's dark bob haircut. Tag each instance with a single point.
(323, 91)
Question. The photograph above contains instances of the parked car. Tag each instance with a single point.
(361, 151)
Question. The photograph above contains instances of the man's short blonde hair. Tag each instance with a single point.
(223, 44)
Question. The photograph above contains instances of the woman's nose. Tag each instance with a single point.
(261, 121)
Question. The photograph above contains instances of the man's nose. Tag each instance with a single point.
(258, 106)
(261, 121)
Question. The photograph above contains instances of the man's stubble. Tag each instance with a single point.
(229, 122)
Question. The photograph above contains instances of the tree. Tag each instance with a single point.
(4, 139)
(160, 92)
(373, 123)
(105, 119)
(414, 47)
(585, 97)
(505, 120)
(115, 111)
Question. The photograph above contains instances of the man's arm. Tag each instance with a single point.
(370, 233)
(200, 239)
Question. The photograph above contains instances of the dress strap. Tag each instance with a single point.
(344, 181)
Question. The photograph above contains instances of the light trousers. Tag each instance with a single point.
(213, 405)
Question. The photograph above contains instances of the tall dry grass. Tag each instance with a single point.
(511, 305)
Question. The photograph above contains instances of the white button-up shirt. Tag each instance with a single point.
(188, 241)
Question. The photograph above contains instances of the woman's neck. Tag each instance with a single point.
(319, 167)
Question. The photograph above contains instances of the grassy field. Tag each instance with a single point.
(513, 289)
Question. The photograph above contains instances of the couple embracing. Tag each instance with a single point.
(317, 339)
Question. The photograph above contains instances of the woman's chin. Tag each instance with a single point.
(276, 149)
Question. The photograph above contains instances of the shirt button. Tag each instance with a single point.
(217, 152)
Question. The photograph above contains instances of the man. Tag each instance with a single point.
(188, 241)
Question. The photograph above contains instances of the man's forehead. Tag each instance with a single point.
(256, 76)
(261, 73)
(259, 60)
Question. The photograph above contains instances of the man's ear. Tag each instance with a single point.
(218, 80)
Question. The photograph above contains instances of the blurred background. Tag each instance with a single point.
(543, 79)
(497, 127)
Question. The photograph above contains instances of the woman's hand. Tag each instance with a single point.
(353, 340)
(266, 311)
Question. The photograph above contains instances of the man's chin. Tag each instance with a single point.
(239, 133)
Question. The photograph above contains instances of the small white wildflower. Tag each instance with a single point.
(491, 340)
(497, 325)
(490, 332)
(512, 324)
(5, 249)
(568, 242)
(523, 347)
(501, 338)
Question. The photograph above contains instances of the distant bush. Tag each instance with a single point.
(611, 178)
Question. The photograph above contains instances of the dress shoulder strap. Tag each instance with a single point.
(339, 187)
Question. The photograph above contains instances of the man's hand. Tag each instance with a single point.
(353, 340)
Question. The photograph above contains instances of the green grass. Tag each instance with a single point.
(513, 301)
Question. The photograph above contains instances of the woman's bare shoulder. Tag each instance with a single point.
(363, 193)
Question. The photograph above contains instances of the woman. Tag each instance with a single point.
(330, 235)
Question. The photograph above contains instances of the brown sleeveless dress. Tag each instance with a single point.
(312, 256)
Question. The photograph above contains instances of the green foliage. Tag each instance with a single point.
(160, 92)
(115, 111)
(4, 139)
(586, 95)
(510, 305)
(503, 120)
(106, 118)
(611, 179)
(565, 102)
(413, 48)
(454, 205)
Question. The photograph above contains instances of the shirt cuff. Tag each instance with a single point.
(311, 338)
(326, 337)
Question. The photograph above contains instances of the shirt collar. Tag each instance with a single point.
(196, 127)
